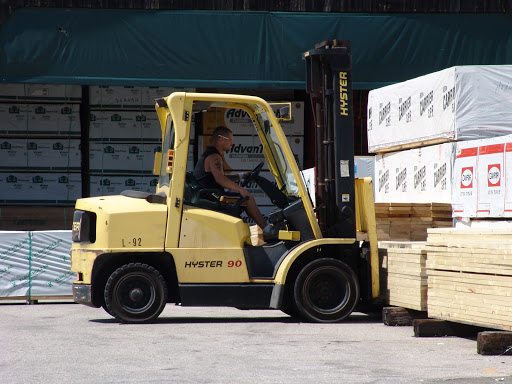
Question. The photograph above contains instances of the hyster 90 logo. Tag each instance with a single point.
(493, 175)
(466, 177)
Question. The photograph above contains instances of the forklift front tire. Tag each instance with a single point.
(135, 293)
(326, 291)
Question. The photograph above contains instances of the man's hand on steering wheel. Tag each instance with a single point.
(253, 174)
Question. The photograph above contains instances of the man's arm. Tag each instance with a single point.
(214, 164)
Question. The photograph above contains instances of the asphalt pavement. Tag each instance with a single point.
(71, 343)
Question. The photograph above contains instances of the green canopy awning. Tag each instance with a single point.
(224, 49)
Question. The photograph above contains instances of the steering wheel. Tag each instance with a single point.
(254, 173)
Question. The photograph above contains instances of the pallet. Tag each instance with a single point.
(36, 299)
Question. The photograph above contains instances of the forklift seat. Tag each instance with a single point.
(214, 199)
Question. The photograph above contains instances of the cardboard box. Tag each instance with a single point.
(124, 125)
(103, 185)
(40, 119)
(458, 103)
(482, 182)
(464, 184)
(419, 175)
(118, 157)
(247, 152)
(43, 92)
(40, 188)
(41, 154)
(240, 122)
(129, 97)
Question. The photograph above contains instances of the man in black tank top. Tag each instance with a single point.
(209, 173)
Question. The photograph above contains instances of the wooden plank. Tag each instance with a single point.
(400, 316)
(453, 310)
(403, 244)
(443, 313)
(471, 278)
(37, 298)
(438, 328)
(494, 343)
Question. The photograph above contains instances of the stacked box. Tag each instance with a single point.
(127, 97)
(458, 103)
(102, 185)
(40, 188)
(123, 142)
(40, 144)
(240, 122)
(247, 152)
(482, 178)
(128, 158)
(40, 154)
(40, 92)
(40, 119)
(419, 175)
(124, 125)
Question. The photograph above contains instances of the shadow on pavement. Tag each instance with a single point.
(354, 318)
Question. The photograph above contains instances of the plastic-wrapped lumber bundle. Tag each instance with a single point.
(35, 265)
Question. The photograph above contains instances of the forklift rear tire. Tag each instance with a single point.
(135, 293)
(326, 291)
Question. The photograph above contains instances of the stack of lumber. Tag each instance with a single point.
(470, 276)
(403, 274)
(410, 221)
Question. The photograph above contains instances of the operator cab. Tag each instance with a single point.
(283, 191)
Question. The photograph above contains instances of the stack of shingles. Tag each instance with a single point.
(470, 276)
(410, 221)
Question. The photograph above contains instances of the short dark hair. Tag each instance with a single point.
(220, 131)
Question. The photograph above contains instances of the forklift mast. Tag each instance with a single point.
(329, 83)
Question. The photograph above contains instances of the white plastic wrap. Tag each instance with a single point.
(419, 175)
(458, 103)
(482, 178)
(35, 264)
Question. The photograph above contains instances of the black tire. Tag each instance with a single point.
(104, 306)
(135, 293)
(326, 291)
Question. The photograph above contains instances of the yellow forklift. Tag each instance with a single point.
(133, 253)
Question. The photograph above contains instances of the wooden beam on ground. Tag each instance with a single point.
(494, 343)
(399, 316)
(440, 328)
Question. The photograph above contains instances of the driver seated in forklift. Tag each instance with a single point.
(209, 173)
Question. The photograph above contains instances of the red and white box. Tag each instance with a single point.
(491, 191)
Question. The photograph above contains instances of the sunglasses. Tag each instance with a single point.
(224, 137)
